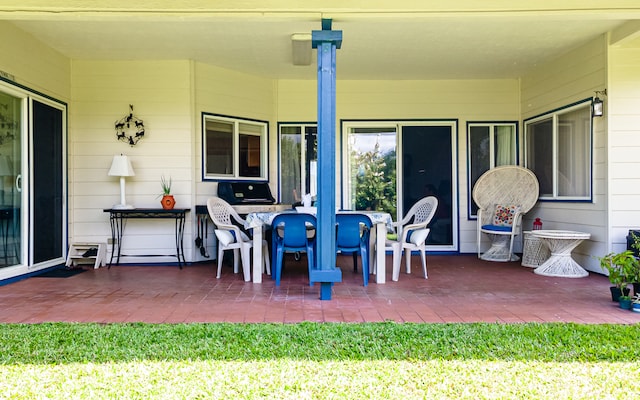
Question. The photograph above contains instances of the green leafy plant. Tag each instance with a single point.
(635, 277)
(623, 268)
(166, 185)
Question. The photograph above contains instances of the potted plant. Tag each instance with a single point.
(168, 202)
(623, 268)
(635, 278)
(625, 302)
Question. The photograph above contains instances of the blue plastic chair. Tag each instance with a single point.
(352, 236)
(289, 233)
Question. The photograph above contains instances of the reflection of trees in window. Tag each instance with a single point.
(375, 179)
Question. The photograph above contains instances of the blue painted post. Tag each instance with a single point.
(326, 272)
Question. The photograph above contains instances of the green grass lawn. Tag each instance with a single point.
(319, 361)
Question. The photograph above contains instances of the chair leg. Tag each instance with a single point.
(512, 257)
(236, 258)
(279, 260)
(265, 257)
(397, 258)
(407, 260)
(246, 262)
(355, 261)
(423, 256)
(364, 256)
(220, 255)
(310, 262)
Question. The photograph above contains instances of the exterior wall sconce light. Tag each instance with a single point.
(597, 106)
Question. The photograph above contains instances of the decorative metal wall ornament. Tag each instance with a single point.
(128, 124)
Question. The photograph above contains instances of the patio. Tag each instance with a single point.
(459, 289)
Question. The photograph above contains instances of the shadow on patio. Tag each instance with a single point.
(459, 289)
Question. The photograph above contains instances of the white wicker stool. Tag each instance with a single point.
(534, 251)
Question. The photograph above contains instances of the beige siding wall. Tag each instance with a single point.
(33, 64)
(623, 110)
(567, 79)
(471, 100)
(231, 93)
(160, 92)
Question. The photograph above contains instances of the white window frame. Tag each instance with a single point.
(347, 128)
(303, 126)
(554, 116)
(490, 125)
(263, 127)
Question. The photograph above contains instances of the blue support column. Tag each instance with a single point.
(326, 272)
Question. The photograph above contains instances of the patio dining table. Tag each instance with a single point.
(261, 221)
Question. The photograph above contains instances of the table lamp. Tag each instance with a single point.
(121, 166)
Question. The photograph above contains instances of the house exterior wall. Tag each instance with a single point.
(30, 64)
(222, 91)
(160, 92)
(170, 96)
(461, 100)
(33, 64)
(623, 111)
(567, 79)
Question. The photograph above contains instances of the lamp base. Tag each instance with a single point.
(122, 207)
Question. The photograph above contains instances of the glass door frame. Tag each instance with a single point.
(345, 173)
(25, 228)
(455, 187)
(28, 166)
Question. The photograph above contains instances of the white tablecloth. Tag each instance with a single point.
(259, 221)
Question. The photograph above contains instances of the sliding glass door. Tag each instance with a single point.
(33, 208)
(11, 126)
(49, 231)
(428, 170)
(390, 165)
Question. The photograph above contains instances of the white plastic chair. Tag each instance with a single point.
(509, 187)
(231, 237)
(412, 235)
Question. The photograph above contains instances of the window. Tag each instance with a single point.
(234, 148)
(558, 151)
(490, 144)
(298, 149)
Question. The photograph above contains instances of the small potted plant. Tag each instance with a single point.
(623, 268)
(168, 202)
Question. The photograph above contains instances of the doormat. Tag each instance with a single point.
(61, 273)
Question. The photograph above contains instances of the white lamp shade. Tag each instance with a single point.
(121, 166)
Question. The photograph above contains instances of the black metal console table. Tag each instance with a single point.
(118, 217)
